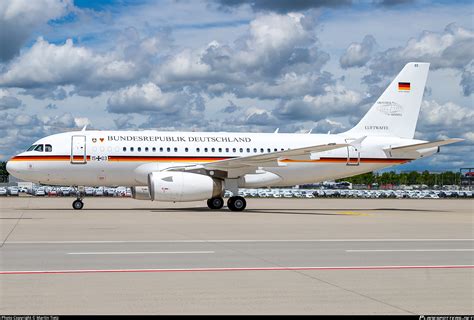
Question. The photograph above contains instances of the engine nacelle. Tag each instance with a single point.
(141, 193)
(183, 186)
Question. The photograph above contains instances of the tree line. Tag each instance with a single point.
(406, 178)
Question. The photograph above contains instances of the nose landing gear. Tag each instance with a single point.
(78, 204)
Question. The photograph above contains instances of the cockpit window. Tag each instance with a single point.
(39, 148)
(31, 148)
(48, 148)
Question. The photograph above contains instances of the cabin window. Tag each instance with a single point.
(161, 149)
(139, 149)
(269, 150)
(213, 149)
(48, 148)
(131, 149)
(234, 150)
(124, 149)
(275, 149)
(39, 148)
(153, 149)
(220, 149)
(226, 149)
(197, 149)
(241, 150)
(205, 149)
(186, 149)
(31, 148)
(262, 150)
(255, 150)
(175, 149)
(168, 149)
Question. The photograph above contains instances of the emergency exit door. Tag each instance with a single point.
(78, 149)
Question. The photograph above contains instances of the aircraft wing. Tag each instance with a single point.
(271, 158)
(405, 150)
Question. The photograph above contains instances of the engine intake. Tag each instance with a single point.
(183, 186)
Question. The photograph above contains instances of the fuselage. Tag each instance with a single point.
(125, 158)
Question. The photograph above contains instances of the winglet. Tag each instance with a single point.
(276, 131)
(84, 129)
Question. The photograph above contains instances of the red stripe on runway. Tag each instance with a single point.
(236, 269)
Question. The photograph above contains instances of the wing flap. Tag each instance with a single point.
(270, 159)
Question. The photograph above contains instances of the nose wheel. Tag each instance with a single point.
(236, 203)
(78, 204)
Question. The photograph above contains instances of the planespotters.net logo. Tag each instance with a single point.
(444, 317)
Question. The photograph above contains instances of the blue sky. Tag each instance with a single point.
(240, 65)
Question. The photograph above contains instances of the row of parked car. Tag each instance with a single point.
(65, 191)
(257, 193)
(351, 193)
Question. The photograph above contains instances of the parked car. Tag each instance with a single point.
(13, 191)
(3, 191)
(40, 192)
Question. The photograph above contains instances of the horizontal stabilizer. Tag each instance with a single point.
(406, 150)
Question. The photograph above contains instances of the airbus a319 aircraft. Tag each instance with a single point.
(190, 166)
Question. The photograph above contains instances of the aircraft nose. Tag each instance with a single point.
(11, 167)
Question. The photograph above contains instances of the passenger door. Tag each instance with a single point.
(78, 149)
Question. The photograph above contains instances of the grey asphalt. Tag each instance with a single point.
(41, 234)
(248, 254)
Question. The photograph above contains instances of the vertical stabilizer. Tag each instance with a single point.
(396, 112)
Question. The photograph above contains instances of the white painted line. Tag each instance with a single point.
(218, 269)
(142, 252)
(231, 241)
(410, 250)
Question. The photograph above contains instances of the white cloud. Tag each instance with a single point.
(278, 57)
(49, 65)
(147, 97)
(445, 120)
(336, 101)
(451, 48)
(358, 54)
(20, 18)
(8, 101)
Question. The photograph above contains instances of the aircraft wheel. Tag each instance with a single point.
(236, 203)
(215, 203)
(77, 204)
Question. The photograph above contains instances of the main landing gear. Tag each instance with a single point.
(215, 203)
(234, 203)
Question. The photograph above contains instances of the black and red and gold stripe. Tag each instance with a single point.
(190, 159)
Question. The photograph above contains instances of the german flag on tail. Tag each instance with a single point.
(404, 86)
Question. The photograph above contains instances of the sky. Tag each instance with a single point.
(231, 65)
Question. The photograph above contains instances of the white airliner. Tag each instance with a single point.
(190, 166)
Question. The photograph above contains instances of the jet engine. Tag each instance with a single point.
(140, 193)
(183, 186)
